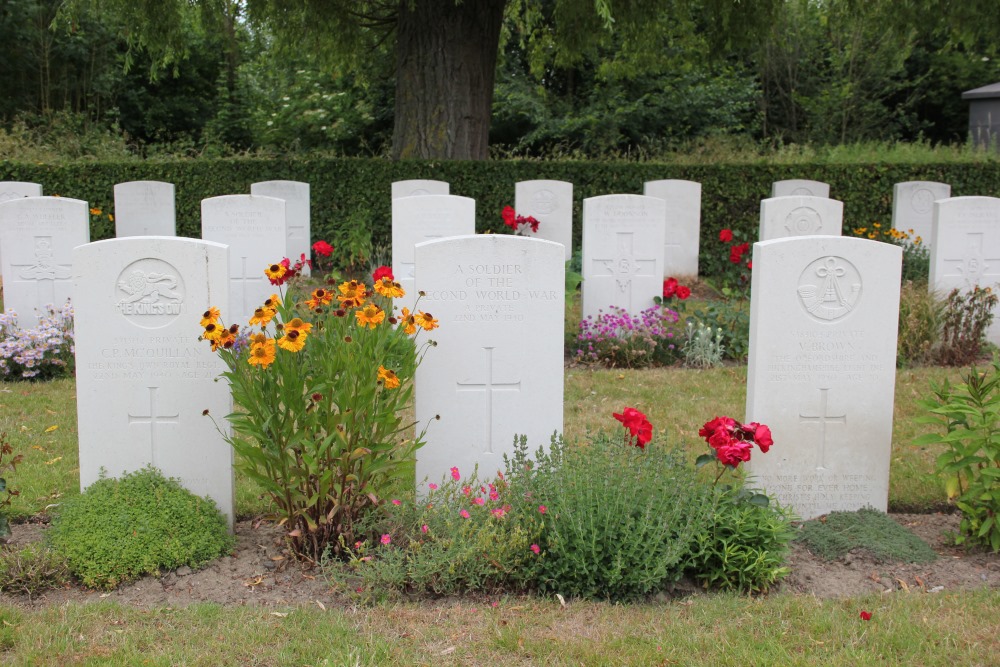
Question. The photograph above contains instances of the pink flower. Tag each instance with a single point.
(464, 514)
(424, 528)
(386, 539)
(454, 474)
(543, 509)
(479, 501)
(494, 495)
(397, 502)
(498, 512)
(467, 490)
(432, 486)
(537, 549)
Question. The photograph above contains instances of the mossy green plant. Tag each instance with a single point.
(31, 569)
(143, 523)
(837, 533)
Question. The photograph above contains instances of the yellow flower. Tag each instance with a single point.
(258, 339)
(262, 316)
(212, 331)
(352, 293)
(408, 322)
(95, 211)
(111, 217)
(293, 341)
(262, 354)
(388, 378)
(371, 315)
(275, 271)
(860, 230)
(273, 302)
(211, 316)
(389, 288)
(298, 325)
(872, 235)
(877, 225)
(426, 320)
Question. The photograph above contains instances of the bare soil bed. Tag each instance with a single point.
(260, 572)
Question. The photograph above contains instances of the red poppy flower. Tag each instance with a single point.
(322, 248)
(726, 235)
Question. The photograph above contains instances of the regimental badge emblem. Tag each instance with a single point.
(149, 293)
(544, 202)
(922, 200)
(830, 288)
(803, 221)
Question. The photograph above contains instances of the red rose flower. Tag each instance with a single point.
(382, 272)
(725, 424)
(683, 292)
(637, 424)
(509, 217)
(726, 235)
(669, 287)
(734, 453)
(750, 265)
(760, 434)
(322, 248)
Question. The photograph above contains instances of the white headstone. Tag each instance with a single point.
(254, 229)
(683, 235)
(800, 187)
(417, 187)
(822, 370)
(623, 239)
(781, 217)
(143, 379)
(145, 208)
(19, 189)
(497, 370)
(297, 210)
(913, 207)
(965, 248)
(425, 218)
(551, 203)
(38, 235)
(16, 190)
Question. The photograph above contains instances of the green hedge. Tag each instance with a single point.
(348, 192)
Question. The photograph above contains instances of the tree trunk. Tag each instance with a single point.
(446, 57)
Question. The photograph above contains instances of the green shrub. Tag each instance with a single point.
(120, 529)
(867, 529)
(969, 415)
(31, 569)
(920, 313)
(703, 347)
(745, 545)
(618, 520)
(966, 318)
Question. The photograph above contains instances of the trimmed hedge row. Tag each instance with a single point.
(348, 193)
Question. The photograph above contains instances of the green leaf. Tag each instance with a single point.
(704, 459)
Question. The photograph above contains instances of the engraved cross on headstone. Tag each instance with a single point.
(242, 279)
(623, 267)
(489, 386)
(822, 419)
(973, 266)
(153, 418)
(407, 270)
(44, 272)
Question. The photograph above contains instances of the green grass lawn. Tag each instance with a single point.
(40, 422)
(717, 630)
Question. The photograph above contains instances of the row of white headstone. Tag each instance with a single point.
(821, 374)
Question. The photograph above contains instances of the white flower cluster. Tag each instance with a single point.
(43, 352)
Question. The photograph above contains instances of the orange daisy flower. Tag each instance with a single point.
(211, 316)
(408, 322)
(388, 378)
(262, 354)
(389, 288)
(370, 316)
(296, 324)
(353, 292)
(426, 320)
(275, 271)
(293, 341)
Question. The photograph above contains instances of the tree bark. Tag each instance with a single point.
(446, 57)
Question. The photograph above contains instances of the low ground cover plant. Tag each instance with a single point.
(620, 340)
(323, 381)
(142, 523)
(867, 529)
(968, 413)
(31, 569)
(40, 353)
